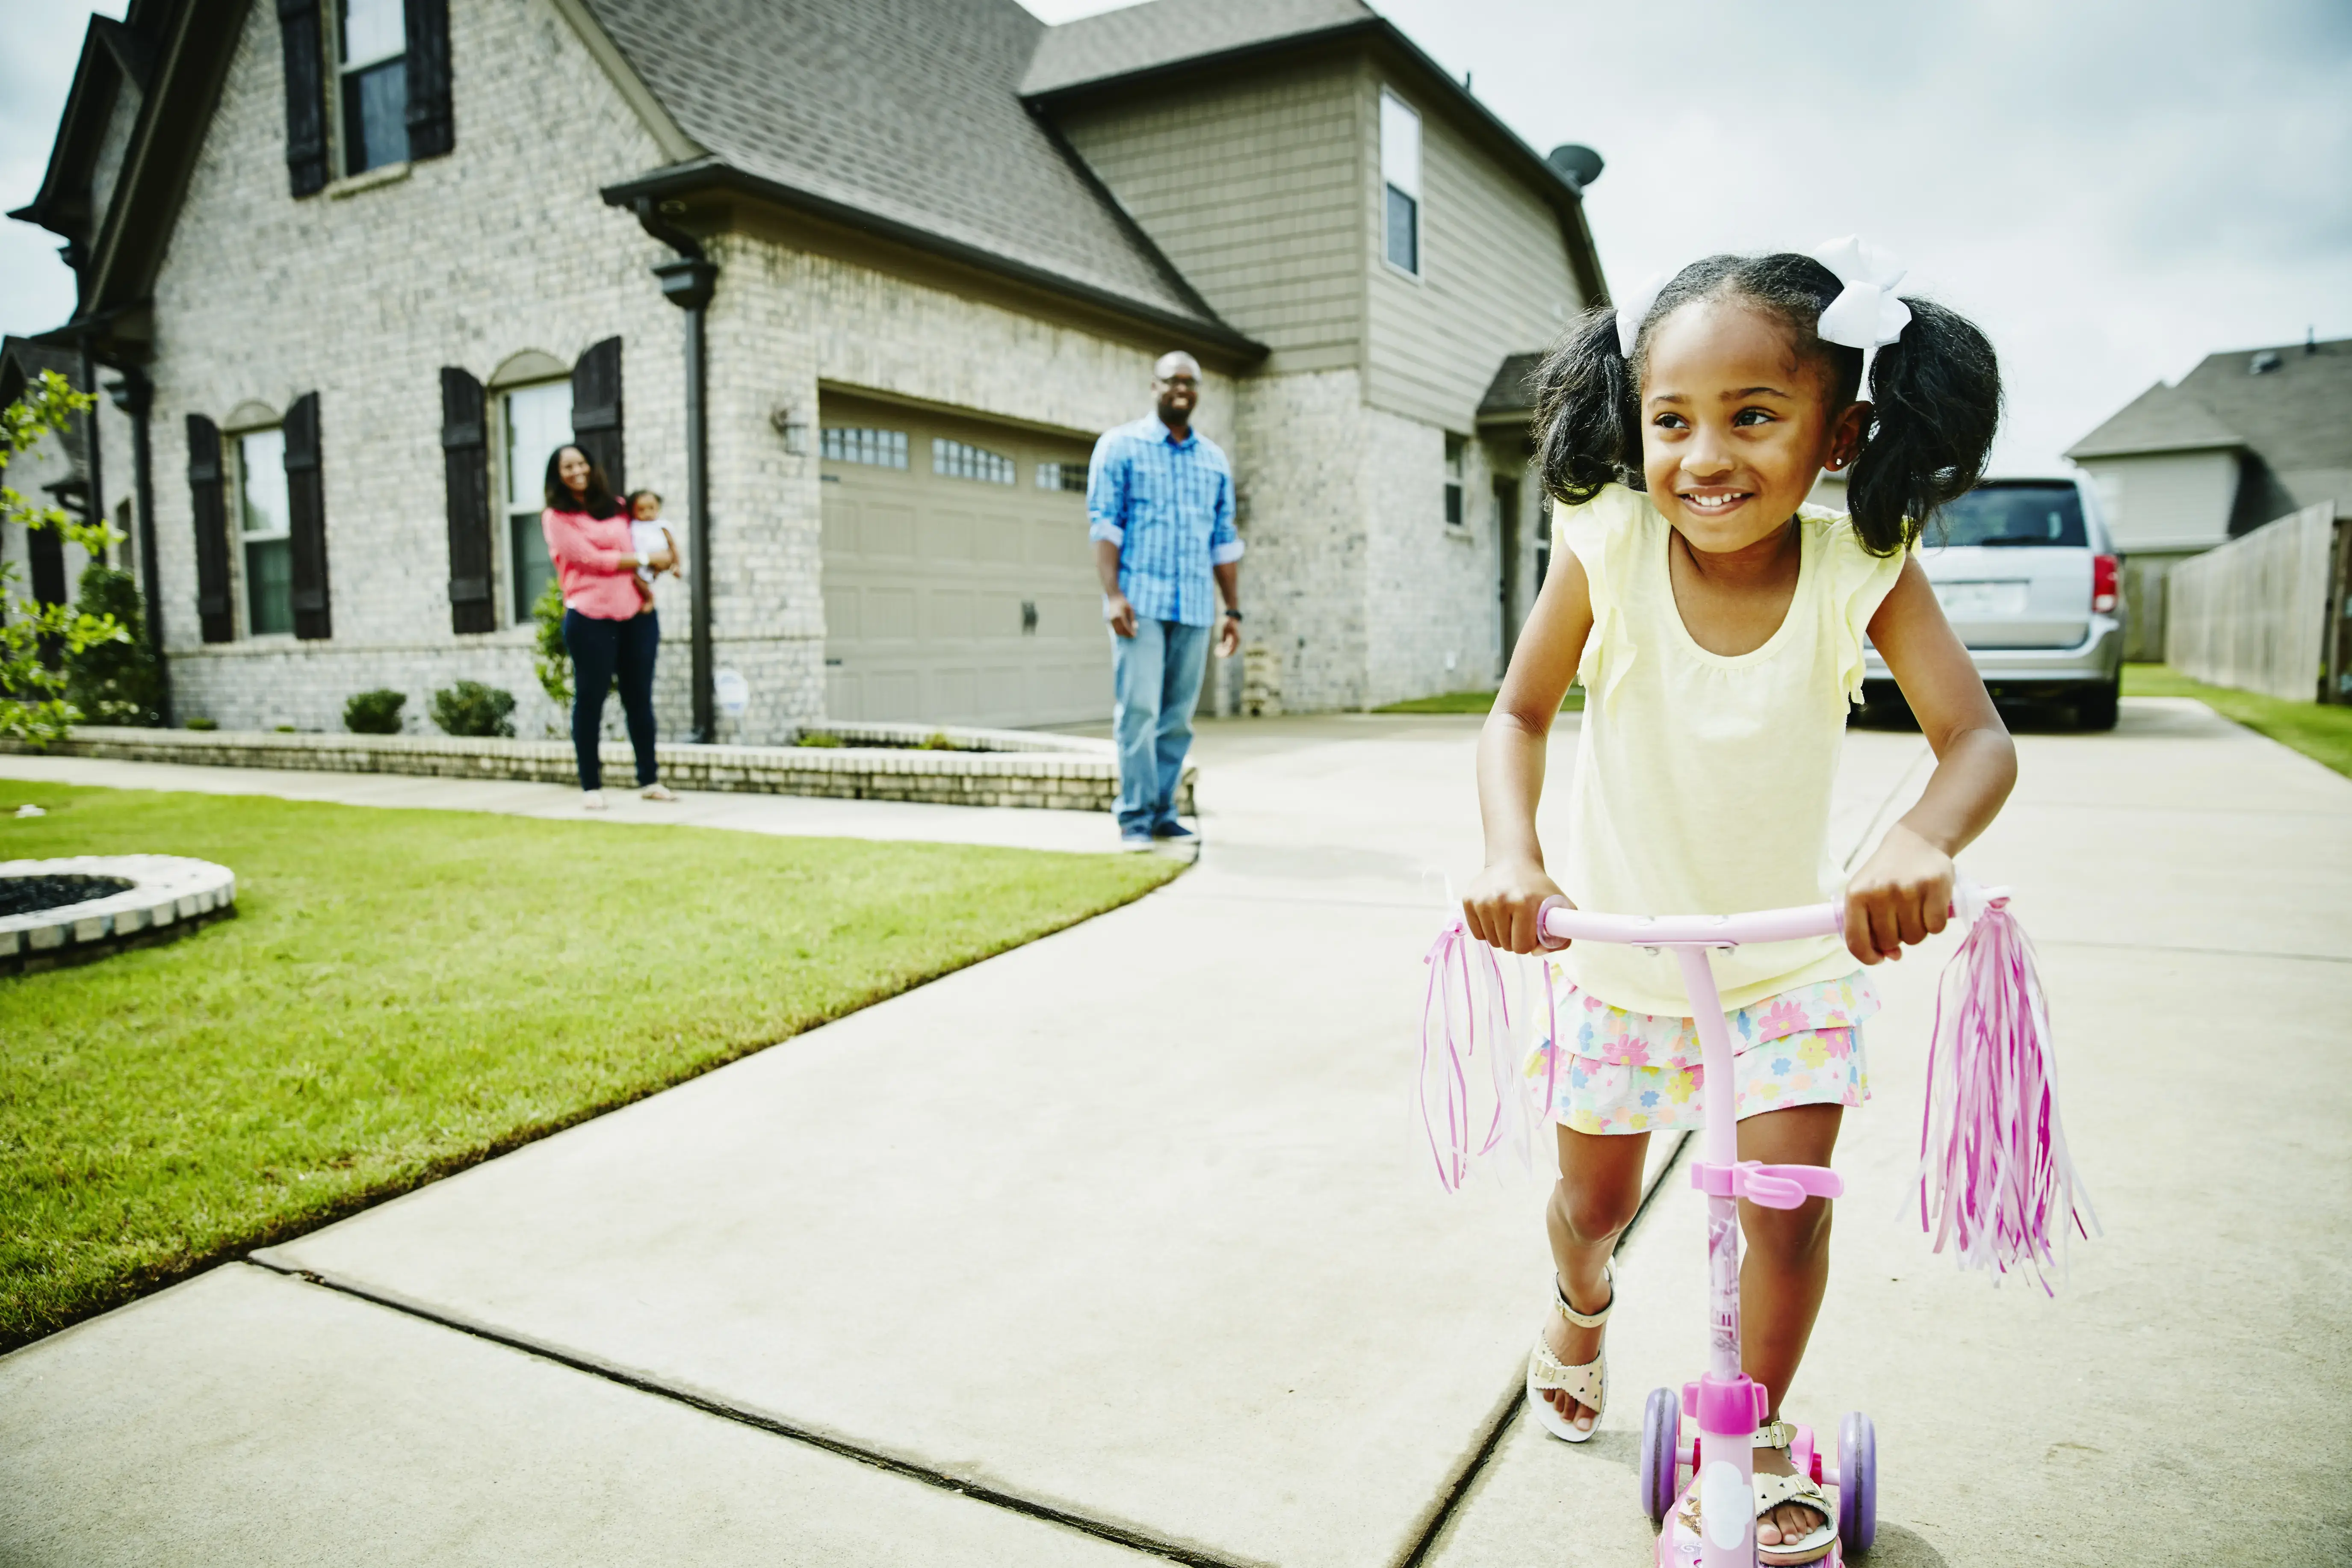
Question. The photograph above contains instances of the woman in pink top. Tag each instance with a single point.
(609, 628)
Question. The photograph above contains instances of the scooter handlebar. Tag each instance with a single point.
(1557, 924)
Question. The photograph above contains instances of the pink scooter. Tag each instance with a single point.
(1727, 1405)
(1996, 1183)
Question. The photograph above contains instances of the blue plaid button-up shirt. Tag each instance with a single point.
(1168, 507)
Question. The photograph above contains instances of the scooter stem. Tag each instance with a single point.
(1726, 1403)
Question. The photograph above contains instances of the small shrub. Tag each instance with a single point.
(937, 741)
(287, 730)
(550, 660)
(203, 723)
(816, 738)
(471, 709)
(374, 712)
(113, 683)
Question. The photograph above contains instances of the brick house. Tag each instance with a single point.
(854, 284)
(2246, 437)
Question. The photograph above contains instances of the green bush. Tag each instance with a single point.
(816, 738)
(550, 660)
(114, 682)
(374, 712)
(472, 709)
(203, 723)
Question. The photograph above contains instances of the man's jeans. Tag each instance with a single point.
(1155, 679)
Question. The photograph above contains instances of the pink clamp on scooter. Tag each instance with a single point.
(1995, 1180)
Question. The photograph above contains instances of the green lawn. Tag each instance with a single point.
(2320, 732)
(403, 994)
(1471, 702)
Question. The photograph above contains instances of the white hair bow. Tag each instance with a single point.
(1634, 307)
(1865, 315)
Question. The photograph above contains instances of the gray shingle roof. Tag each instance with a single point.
(2161, 419)
(2298, 415)
(907, 110)
(1143, 37)
(1512, 392)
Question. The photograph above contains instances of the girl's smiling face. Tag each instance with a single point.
(1736, 424)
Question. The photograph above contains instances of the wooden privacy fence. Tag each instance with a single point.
(2260, 612)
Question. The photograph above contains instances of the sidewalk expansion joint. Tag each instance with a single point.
(1515, 1396)
(1012, 1502)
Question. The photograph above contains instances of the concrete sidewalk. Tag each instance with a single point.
(1126, 1237)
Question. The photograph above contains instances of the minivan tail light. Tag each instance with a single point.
(2104, 570)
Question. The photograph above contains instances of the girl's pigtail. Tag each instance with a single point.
(1588, 432)
(1934, 396)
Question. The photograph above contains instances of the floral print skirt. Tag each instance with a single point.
(1641, 1072)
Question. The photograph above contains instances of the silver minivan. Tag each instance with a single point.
(2028, 575)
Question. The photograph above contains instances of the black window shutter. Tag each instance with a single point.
(211, 511)
(596, 411)
(306, 94)
(465, 464)
(46, 552)
(306, 502)
(430, 130)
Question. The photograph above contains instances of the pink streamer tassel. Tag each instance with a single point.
(1995, 1179)
(1465, 1012)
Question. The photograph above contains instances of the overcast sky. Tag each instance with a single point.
(2112, 191)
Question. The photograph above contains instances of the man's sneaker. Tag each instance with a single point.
(1175, 830)
(1131, 842)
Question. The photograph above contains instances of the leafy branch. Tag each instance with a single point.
(33, 703)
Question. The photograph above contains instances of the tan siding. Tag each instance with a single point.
(2174, 501)
(1494, 276)
(1250, 187)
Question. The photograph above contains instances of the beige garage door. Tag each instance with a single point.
(958, 585)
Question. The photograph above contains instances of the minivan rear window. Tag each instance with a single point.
(2011, 514)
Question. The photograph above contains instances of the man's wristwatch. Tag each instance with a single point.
(1233, 614)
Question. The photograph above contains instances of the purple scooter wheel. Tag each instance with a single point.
(1661, 1426)
(1857, 1505)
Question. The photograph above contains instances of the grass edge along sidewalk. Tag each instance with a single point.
(405, 994)
(2320, 730)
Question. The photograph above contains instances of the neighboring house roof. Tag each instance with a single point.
(907, 114)
(1511, 396)
(1138, 38)
(2295, 414)
(2161, 419)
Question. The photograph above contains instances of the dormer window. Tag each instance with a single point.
(371, 81)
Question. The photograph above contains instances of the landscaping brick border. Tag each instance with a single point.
(169, 896)
(1001, 767)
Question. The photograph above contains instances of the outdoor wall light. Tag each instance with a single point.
(792, 428)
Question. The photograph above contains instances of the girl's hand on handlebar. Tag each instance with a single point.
(1900, 898)
(1500, 907)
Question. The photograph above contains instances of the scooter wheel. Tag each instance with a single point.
(1661, 1425)
(1857, 1503)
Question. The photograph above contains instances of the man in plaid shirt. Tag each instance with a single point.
(1160, 507)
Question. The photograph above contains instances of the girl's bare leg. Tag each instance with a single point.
(1782, 1279)
(1599, 1189)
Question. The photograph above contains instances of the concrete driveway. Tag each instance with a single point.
(1123, 1243)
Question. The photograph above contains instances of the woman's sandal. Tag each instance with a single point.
(1588, 1384)
(657, 791)
(1772, 1492)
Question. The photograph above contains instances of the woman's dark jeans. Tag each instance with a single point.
(600, 651)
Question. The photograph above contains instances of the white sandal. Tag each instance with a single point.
(1588, 1384)
(1771, 1491)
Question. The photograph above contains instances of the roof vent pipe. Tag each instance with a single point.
(2264, 363)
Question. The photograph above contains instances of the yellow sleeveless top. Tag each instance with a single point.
(1702, 782)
